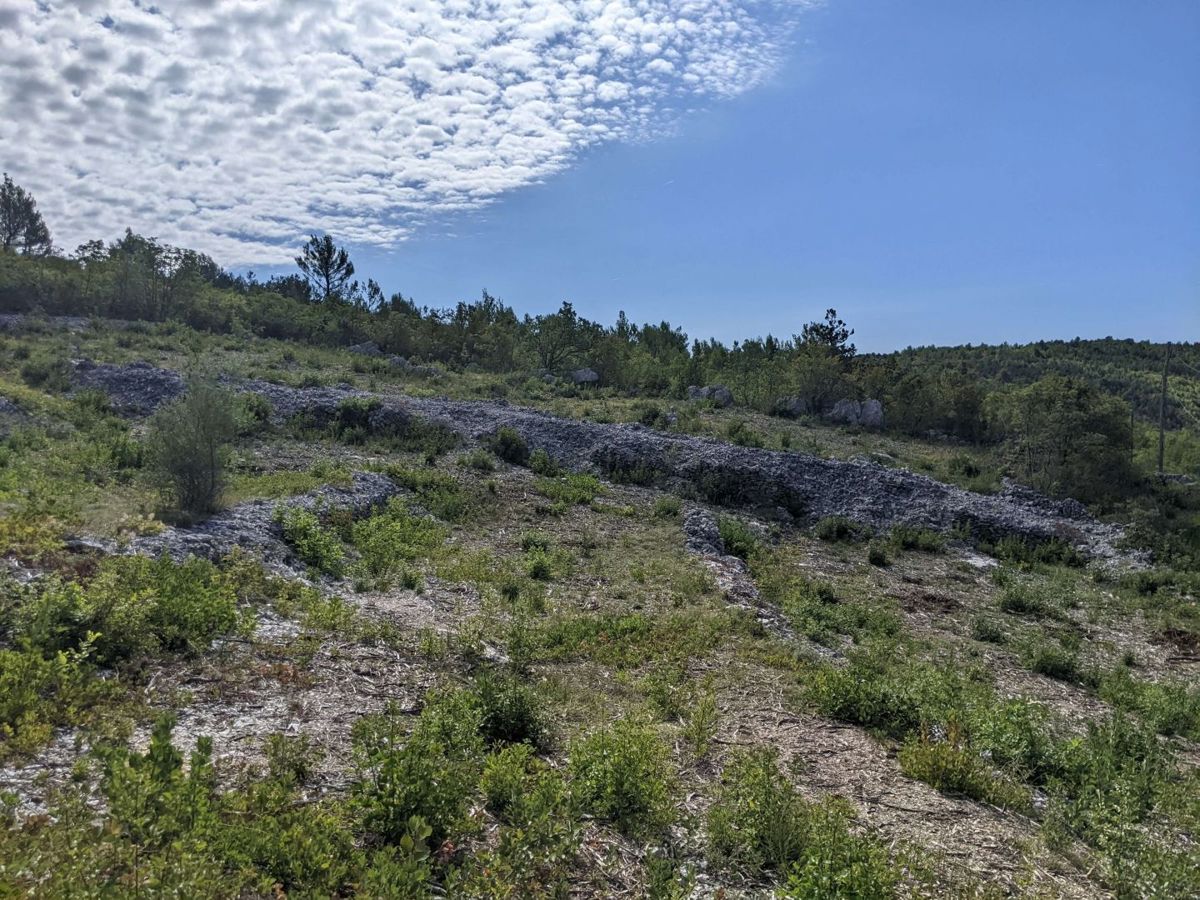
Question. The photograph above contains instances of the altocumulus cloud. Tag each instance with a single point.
(235, 126)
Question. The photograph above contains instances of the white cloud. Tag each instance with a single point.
(237, 127)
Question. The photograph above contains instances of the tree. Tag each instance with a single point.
(832, 334)
(1066, 437)
(327, 267)
(189, 440)
(559, 337)
(22, 227)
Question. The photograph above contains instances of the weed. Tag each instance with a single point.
(737, 536)
(315, 545)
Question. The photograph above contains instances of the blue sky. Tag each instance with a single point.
(942, 173)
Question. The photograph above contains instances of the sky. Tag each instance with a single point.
(940, 172)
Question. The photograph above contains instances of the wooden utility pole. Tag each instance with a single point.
(1162, 410)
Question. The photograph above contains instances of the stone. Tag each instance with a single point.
(585, 376)
(791, 407)
(717, 393)
(845, 411)
(398, 362)
(366, 348)
(870, 414)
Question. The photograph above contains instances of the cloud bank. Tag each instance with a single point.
(237, 126)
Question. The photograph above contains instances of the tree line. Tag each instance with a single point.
(1068, 413)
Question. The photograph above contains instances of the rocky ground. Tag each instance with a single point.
(776, 484)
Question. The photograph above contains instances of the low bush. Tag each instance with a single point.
(759, 822)
(541, 463)
(622, 774)
(946, 761)
(315, 545)
(737, 536)
(906, 537)
(508, 444)
(391, 540)
(510, 712)
(431, 772)
(667, 507)
(570, 490)
(839, 528)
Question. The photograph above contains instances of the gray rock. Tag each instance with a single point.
(717, 393)
(807, 487)
(585, 376)
(845, 411)
(791, 407)
(252, 526)
(548, 378)
(398, 362)
(870, 414)
(136, 389)
(366, 348)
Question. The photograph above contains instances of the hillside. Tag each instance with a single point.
(476, 634)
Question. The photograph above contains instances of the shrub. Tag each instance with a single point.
(315, 544)
(759, 821)
(508, 444)
(737, 536)
(479, 460)
(949, 764)
(667, 507)
(134, 607)
(622, 774)
(742, 434)
(988, 630)
(438, 492)
(431, 773)
(506, 776)
(188, 441)
(570, 490)
(839, 528)
(352, 421)
(877, 555)
(391, 538)
(906, 537)
(509, 710)
(543, 464)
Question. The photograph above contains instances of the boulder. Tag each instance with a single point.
(845, 411)
(717, 393)
(584, 376)
(870, 414)
(367, 348)
(791, 407)
(398, 362)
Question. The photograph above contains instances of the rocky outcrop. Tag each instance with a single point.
(717, 393)
(866, 413)
(791, 407)
(136, 389)
(251, 527)
(778, 484)
(585, 376)
(366, 348)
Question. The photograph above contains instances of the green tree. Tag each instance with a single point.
(1066, 437)
(22, 227)
(832, 335)
(327, 267)
(189, 440)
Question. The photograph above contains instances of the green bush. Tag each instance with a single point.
(667, 507)
(479, 460)
(570, 490)
(134, 607)
(622, 774)
(316, 545)
(839, 528)
(949, 764)
(506, 777)
(906, 537)
(877, 555)
(510, 712)
(737, 536)
(439, 492)
(543, 464)
(189, 440)
(392, 539)
(508, 444)
(431, 773)
(759, 821)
